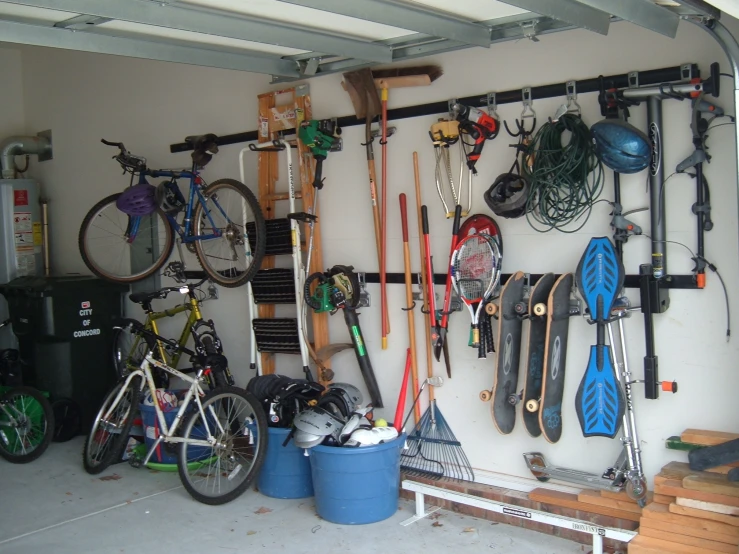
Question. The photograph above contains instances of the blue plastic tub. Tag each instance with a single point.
(286, 470)
(357, 485)
(166, 454)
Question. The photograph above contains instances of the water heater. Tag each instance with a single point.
(21, 238)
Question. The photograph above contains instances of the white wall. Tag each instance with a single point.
(12, 116)
(148, 105)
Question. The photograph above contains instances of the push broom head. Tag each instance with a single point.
(400, 77)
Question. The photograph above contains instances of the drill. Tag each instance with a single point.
(480, 126)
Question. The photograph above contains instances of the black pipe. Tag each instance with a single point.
(651, 77)
(619, 235)
(701, 218)
(656, 188)
(365, 366)
(649, 288)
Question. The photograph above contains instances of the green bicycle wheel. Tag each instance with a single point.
(26, 424)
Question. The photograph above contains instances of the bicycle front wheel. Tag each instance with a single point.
(232, 210)
(222, 471)
(108, 436)
(121, 248)
(26, 424)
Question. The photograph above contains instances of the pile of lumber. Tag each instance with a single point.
(703, 518)
(604, 503)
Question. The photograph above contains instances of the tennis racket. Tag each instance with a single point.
(475, 269)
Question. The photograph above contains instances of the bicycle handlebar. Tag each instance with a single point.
(125, 158)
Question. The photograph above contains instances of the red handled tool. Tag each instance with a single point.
(443, 324)
(398, 421)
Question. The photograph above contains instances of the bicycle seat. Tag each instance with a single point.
(144, 297)
(203, 146)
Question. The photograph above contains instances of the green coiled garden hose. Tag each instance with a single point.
(566, 176)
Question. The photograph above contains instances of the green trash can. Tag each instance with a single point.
(64, 327)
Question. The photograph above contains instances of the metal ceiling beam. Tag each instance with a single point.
(640, 12)
(236, 26)
(52, 37)
(515, 27)
(569, 11)
(405, 16)
(701, 8)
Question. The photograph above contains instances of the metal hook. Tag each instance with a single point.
(572, 105)
(493, 106)
(528, 109)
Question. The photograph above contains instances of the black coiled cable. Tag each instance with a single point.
(566, 179)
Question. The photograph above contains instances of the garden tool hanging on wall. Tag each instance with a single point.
(339, 289)
(444, 134)
(321, 136)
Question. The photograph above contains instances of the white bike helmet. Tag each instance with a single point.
(313, 426)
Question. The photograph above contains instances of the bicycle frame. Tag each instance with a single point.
(193, 306)
(185, 231)
(194, 392)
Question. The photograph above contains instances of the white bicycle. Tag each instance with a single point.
(222, 444)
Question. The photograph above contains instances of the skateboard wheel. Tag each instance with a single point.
(540, 309)
(520, 308)
(486, 395)
(532, 406)
(491, 309)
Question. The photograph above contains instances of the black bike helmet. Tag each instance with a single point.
(507, 196)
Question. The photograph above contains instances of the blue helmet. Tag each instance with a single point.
(621, 146)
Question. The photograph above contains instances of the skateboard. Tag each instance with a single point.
(559, 311)
(511, 308)
(535, 352)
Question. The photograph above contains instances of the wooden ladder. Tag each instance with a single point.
(284, 110)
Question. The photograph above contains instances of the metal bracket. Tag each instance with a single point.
(528, 109)
(452, 112)
(493, 106)
(309, 67)
(212, 292)
(528, 29)
(633, 77)
(686, 71)
(365, 300)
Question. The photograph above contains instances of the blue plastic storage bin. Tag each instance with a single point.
(286, 471)
(166, 454)
(357, 485)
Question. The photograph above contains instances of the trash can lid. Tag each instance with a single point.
(31, 285)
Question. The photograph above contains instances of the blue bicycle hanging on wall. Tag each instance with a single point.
(128, 236)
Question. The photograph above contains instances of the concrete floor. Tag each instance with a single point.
(52, 505)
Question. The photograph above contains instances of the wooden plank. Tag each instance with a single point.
(708, 506)
(710, 482)
(675, 488)
(675, 470)
(567, 500)
(654, 545)
(637, 546)
(703, 514)
(696, 544)
(662, 499)
(594, 497)
(624, 497)
(707, 438)
(661, 512)
(678, 529)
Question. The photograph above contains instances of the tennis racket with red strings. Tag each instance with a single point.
(475, 271)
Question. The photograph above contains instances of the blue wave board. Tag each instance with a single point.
(600, 401)
(600, 277)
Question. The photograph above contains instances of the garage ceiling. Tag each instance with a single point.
(293, 39)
